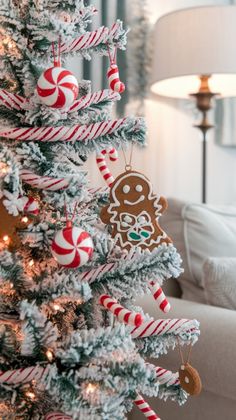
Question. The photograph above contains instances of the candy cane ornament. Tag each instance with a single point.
(11, 100)
(159, 296)
(92, 39)
(96, 273)
(114, 79)
(67, 133)
(167, 377)
(102, 165)
(23, 375)
(113, 76)
(145, 408)
(92, 275)
(43, 182)
(166, 326)
(122, 314)
(91, 99)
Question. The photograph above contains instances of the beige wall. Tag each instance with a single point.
(173, 157)
(170, 123)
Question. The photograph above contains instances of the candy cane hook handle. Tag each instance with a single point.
(159, 296)
(102, 165)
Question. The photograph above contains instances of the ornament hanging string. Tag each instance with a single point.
(57, 61)
(128, 165)
(181, 353)
(66, 213)
(189, 378)
(112, 59)
(53, 53)
(113, 72)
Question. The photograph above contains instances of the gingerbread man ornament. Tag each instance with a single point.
(134, 211)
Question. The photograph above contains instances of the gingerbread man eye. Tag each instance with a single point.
(139, 188)
(126, 189)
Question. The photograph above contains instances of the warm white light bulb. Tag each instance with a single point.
(6, 238)
(4, 169)
(24, 219)
(31, 263)
(49, 355)
(30, 395)
(90, 389)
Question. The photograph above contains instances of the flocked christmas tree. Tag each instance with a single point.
(68, 251)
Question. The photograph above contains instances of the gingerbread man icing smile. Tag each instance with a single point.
(133, 212)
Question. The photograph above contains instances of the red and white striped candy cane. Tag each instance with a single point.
(122, 314)
(11, 100)
(93, 99)
(114, 79)
(145, 408)
(165, 326)
(92, 39)
(159, 296)
(94, 274)
(57, 416)
(98, 190)
(103, 168)
(43, 182)
(65, 133)
(167, 377)
(23, 375)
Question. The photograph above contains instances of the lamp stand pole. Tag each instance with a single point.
(204, 104)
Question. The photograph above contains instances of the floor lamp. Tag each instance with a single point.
(195, 55)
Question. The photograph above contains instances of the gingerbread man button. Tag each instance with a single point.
(133, 212)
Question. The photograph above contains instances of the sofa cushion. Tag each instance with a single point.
(199, 231)
(219, 279)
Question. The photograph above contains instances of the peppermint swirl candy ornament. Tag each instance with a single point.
(72, 247)
(57, 87)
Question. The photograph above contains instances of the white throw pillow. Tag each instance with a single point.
(219, 280)
(209, 232)
(199, 231)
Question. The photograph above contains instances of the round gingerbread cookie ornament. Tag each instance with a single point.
(190, 380)
(133, 212)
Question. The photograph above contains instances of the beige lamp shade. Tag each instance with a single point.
(193, 42)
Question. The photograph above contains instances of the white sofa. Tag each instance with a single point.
(198, 232)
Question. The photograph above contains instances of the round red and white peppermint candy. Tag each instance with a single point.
(31, 206)
(72, 247)
(57, 87)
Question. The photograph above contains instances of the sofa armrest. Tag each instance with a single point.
(214, 354)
